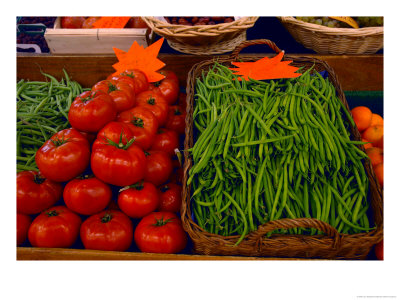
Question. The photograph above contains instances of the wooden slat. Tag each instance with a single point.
(356, 73)
(27, 253)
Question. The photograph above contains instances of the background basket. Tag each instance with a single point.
(332, 245)
(326, 40)
(202, 39)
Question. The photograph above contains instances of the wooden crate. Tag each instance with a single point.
(94, 41)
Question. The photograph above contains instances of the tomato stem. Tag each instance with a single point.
(151, 101)
(106, 218)
(52, 213)
(58, 142)
(138, 122)
(38, 179)
(162, 222)
(112, 87)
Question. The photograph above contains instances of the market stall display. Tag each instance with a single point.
(30, 34)
(331, 40)
(274, 167)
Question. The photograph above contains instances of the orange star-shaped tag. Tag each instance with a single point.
(265, 68)
(143, 59)
(111, 22)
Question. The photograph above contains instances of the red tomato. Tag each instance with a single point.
(64, 156)
(36, 193)
(154, 102)
(138, 200)
(379, 250)
(143, 125)
(135, 78)
(112, 131)
(88, 23)
(91, 111)
(168, 88)
(166, 140)
(56, 227)
(109, 230)
(87, 195)
(170, 197)
(72, 22)
(176, 119)
(115, 159)
(158, 168)
(176, 176)
(23, 223)
(121, 92)
(170, 75)
(136, 22)
(90, 136)
(160, 232)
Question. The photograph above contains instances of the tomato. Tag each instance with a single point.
(170, 197)
(23, 223)
(64, 156)
(176, 119)
(379, 250)
(91, 111)
(158, 168)
(72, 22)
(115, 159)
(166, 140)
(136, 22)
(90, 136)
(36, 193)
(160, 232)
(109, 230)
(154, 102)
(87, 195)
(88, 23)
(56, 227)
(176, 176)
(138, 200)
(170, 75)
(168, 88)
(135, 78)
(143, 125)
(112, 131)
(121, 93)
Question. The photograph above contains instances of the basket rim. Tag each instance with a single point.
(194, 231)
(355, 32)
(179, 30)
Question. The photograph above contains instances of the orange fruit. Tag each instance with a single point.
(378, 169)
(375, 154)
(362, 116)
(376, 120)
(374, 134)
(366, 146)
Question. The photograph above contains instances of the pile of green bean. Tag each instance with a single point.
(42, 110)
(265, 150)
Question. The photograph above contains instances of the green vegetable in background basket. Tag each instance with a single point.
(42, 110)
(266, 150)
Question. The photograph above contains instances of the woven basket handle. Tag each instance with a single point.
(262, 230)
(235, 53)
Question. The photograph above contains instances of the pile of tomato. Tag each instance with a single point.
(113, 179)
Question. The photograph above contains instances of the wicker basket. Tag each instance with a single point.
(326, 40)
(202, 39)
(332, 245)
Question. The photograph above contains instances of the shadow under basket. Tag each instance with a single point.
(330, 245)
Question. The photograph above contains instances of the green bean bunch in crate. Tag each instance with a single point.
(42, 110)
(266, 150)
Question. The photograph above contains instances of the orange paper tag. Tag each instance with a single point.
(111, 22)
(348, 20)
(143, 59)
(265, 68)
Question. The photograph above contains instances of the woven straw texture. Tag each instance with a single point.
(325, 40)
(332, 245)
(202, 39)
